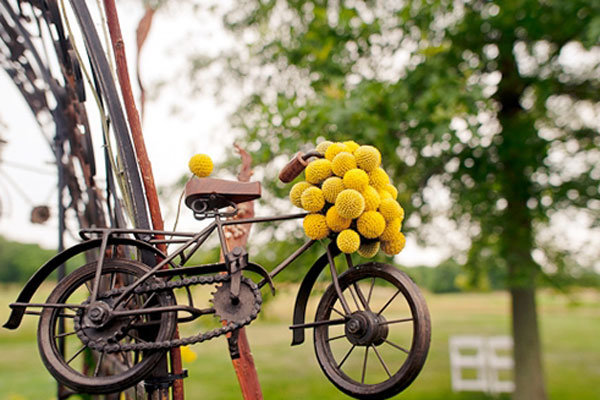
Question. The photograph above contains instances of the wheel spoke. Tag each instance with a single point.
(148, 300)
(62, 335)
(353, 297)
(364, 370)
(98, 364)
(346, 356)
(339, 312)
(76, 354)
(336, 338)
(396, 321)
(135, 337)
(396, 346)
(389, 302)
(381, 361)
(113, 281)
(361, 296)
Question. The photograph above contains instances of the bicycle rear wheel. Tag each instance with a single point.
(81, 368)
(382, 345)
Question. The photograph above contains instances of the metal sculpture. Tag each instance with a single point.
(371, 308)
(38, 52)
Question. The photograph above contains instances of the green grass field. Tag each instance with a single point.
(570, 334)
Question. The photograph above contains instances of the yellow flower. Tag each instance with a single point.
(384, 194)
(333, 150)
(372, 198)
(342, 163)
(315, 226)
(348, 241)
(391, 229)
(390, 209)
(318, 170)
(395, 245)
(296, 192)
(201, 165)
(371, 224)
(367, 157)
(350, 203)
(351, 145)
(322, 147)
(378, 179)
(391, 189)
(312, 199)
(331, 188)
(356, 179)
(335, 221)
(188, 355)
(368, 249)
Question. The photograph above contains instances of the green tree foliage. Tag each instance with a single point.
(18, 261)
(479, 102)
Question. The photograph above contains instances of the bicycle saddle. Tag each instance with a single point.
(219, 193)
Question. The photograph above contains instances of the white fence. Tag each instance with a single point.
(486, 361)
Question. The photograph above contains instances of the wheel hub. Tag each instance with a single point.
(366, 328)
(95, 324)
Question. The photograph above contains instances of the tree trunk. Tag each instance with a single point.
(529, 377)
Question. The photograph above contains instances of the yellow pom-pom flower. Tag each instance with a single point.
(350, 203)
(342, 163)
(391, 189)
(391, 229)
(356, 179)
(351, 145)
(315, 226)
(318, 170)
(335, 221)
(378, 179)
(371, 224)
(333, 150)
(348, 241)
(367, 158)
(322, 147)
(390, 209)
(297, 191)
(395, 245)
(372, 198)
(187, 354)
(201, 165)
(332, 187)
(368, 249)
(312, 199)
(384, 194)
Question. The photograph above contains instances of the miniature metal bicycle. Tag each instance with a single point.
(121, 304)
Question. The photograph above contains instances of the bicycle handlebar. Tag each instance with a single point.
(296, 166)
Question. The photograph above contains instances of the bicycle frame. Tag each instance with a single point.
(191, 242)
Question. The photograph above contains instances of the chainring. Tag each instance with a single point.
(228, 309)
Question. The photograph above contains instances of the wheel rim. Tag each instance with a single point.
(383, 343)
(70, 369)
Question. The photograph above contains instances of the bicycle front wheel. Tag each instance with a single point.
(382, 345)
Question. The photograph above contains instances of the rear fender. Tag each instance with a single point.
(32, 285)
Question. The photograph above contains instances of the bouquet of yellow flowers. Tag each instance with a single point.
(350, 198)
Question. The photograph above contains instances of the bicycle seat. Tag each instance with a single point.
(219, 193)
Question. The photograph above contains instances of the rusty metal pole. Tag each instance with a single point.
(237, 235)
(142, 156)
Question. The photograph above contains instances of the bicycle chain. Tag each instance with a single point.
(167, 344)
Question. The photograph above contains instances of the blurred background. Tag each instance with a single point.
(487, 115)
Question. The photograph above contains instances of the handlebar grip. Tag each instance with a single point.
(293, 168)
